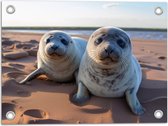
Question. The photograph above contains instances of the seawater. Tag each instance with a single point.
(146, 35)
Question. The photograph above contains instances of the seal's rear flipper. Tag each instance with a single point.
(32, 75)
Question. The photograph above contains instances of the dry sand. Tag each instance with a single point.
(44, 101)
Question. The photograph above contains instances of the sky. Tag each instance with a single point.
(84, 14)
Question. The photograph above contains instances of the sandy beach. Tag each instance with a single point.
(47, 102)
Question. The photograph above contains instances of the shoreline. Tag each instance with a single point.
(85, 36)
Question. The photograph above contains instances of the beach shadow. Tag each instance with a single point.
(6, 43)
(151, 107)
(152, 67)
(36, 113)
(5, 39)
(11, 88)
(9, 43)
(162, 57)
(94, 111)
(33, 41)
(7, 107)
(46, 121)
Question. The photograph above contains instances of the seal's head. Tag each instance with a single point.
(55, 44)
(109, 45)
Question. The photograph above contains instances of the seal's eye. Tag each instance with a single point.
(64, 41)
(121, 43)
(48, 40)
(104, 35)
(98, 41)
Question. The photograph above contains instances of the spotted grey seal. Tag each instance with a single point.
(109, 69)
(58, 57)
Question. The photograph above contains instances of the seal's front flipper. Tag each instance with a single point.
(82, 95)
(133, 102)
(32, 75)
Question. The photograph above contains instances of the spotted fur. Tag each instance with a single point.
(109, 76)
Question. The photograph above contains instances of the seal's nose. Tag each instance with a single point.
(54, 47)
(108, 49)
(111, 52)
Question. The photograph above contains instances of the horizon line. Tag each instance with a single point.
(72, 27)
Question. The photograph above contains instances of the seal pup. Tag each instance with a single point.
(109, 69)
(58, 57)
